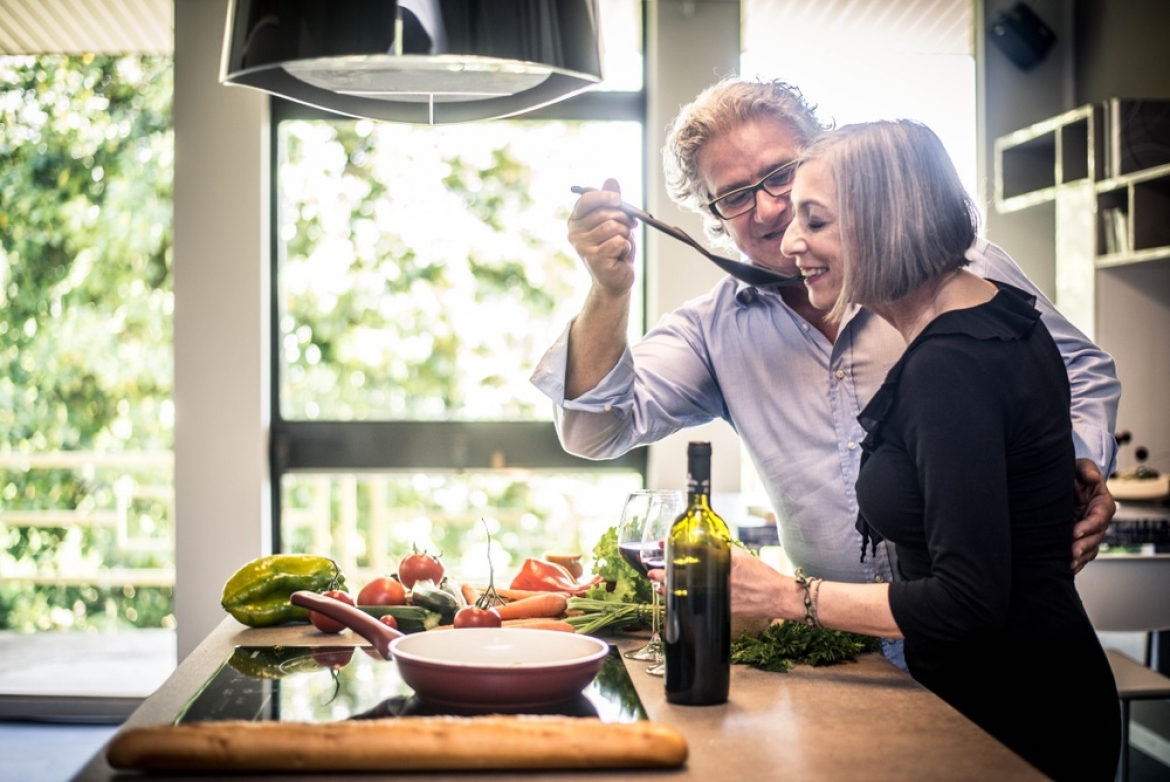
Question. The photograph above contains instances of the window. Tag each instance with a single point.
(420, 273)
(86, 413)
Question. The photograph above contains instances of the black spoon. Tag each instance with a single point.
(745, 272)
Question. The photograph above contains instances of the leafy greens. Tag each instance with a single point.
(786, 644)
(622, 583)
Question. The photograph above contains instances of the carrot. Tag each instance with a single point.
(470, 593)
(545, 605)
(541, 624)
(519, 594)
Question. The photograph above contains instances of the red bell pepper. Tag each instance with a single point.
(538, 575)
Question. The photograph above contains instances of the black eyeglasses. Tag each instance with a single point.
(743, 200)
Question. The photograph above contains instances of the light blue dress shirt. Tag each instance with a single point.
(741, 354)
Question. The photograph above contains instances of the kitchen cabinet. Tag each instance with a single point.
(861, 720)
(1096, 179)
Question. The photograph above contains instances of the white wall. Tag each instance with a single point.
(221, 339)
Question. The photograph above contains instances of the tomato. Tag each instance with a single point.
(389, 621)
(334, 658)
(419, 566)
(324, 623)
(382, 591)
(473, 616)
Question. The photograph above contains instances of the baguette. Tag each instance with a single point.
(400, 744)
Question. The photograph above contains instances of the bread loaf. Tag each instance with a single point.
(400, 744)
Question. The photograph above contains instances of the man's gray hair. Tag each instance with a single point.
(723, 106)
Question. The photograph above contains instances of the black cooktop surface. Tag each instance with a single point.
(332, 683)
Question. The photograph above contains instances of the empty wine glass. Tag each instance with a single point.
(645, 521)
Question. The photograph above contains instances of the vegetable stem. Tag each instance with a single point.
(600, 614)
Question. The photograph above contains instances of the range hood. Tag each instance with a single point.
(415, 61)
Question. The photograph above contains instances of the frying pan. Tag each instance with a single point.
(481, 667)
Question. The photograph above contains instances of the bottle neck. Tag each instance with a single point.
(699, 483)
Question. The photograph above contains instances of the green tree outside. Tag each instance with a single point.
(86, 164)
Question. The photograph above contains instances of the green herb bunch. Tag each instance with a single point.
(785, 644)
(622, 583)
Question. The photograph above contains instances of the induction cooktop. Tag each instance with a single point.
(333, 683)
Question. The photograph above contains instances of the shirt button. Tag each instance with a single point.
(852, 446)
(840, 373)
(806, 327)
(608, 408)
(878, 579)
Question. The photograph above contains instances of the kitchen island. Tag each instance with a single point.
(863, 720)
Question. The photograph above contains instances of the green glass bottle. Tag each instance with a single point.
(698, 594)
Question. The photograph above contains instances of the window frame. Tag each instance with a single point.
(405, 446)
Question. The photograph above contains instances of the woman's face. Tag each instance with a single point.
(814, 236)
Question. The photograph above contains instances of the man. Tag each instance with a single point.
(789, 381)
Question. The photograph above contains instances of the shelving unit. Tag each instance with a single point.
(1097, 180)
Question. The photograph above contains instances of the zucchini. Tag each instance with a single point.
(424, 594)
(454, 591)
(411, 619)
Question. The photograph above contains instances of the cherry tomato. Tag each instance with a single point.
(324, 623)
(419, 566)
(382, 591)
(473, 616)
(388, 620)
(332, 658)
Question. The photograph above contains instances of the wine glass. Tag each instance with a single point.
(648, 510)
(664, 511)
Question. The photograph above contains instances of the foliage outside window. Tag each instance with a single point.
(86, 417)
(422, 274)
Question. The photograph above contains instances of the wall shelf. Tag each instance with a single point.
(1104, 144)
(1096, 182)
(1031, 164)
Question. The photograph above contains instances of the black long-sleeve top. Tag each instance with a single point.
(969, 469)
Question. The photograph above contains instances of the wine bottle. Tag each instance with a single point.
(698, 594)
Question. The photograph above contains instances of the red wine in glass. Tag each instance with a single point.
(636, 557)
(653, 556)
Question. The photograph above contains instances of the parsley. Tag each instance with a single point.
(786, 644)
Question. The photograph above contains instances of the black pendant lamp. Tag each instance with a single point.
(416, 61)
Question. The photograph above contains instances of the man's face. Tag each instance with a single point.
(740, 158)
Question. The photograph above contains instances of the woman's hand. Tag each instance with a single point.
(759, 590)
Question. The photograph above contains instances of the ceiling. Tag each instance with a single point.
(86, 26)
(147, 26)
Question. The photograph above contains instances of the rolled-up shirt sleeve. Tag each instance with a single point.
(663, 384)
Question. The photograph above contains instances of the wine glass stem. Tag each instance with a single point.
(655, 638)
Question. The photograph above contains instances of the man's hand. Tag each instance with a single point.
(602, 234)
(1094, 510)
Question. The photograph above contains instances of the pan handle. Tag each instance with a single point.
(378, 634)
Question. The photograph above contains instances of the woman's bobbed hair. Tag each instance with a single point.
(905, 217)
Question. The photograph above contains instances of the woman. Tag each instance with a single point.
(968, 458)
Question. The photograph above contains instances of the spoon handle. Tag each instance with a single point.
(746, 272)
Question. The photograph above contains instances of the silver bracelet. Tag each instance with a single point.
(812, 588)
(815, 592)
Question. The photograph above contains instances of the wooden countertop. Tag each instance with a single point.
(864, 720)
